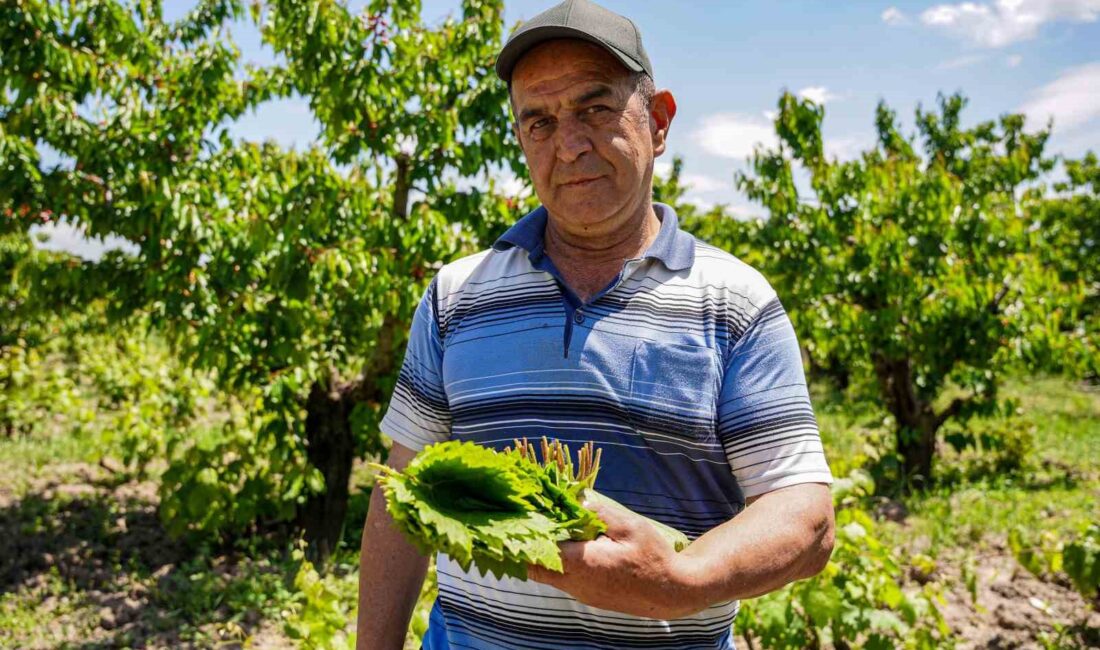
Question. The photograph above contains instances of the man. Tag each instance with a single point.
(596, 318)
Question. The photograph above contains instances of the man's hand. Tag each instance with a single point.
(782, 536)
(631, 569)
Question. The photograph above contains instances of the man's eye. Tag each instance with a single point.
(596, 109)
(539, 124)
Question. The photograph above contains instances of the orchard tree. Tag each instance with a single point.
(912, 266)
(292, 275)
(1069, 223)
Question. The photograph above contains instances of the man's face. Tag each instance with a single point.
(586, 134)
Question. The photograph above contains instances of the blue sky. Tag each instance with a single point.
(727, 62)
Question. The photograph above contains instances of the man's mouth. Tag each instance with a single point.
(582, 182)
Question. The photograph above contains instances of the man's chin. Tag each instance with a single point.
(591, 220)
(598, 205)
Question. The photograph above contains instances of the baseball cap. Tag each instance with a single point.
(577, 19)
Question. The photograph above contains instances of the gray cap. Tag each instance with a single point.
(577, 19)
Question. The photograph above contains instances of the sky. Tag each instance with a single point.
(726, 62)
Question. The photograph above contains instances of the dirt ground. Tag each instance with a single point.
(1015, 609)
(93, 563)
(93, 560)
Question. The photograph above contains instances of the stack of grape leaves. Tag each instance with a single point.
(500, 511)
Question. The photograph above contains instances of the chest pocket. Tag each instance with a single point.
(674, 390)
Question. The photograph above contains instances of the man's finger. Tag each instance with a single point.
(620, 522)
(572, 555)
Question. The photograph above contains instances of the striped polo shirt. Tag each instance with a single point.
(684, 370)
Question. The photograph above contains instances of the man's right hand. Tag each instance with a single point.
(391, 573)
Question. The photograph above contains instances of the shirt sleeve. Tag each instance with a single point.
(419, 414)
(765, 420)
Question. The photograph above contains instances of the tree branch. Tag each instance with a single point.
(401, 186)
(995, 304)
(954, 408)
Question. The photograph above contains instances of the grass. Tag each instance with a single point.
(1056, 488)
(1067, 418)
(50, 599)
(23, 458)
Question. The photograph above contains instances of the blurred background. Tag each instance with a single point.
(217, 217)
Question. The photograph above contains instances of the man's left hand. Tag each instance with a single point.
(631, 569)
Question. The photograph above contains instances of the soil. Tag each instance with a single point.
(1014, 608)
(91, 557)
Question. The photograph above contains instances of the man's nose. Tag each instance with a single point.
(572, 140)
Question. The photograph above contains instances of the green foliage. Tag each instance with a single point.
(36, 393)
(278, 271)
(857, 601)
(1048, 554)
(21, 617)
(914, 272)
(1039, 556)
(209, 588)
(498, 510)
(997, 447)
(229, 477)
(1081, 561)
(141, 408)
(119, 388)
(322, 608)
(1070, 230)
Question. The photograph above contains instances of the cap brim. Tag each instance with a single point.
(514, 50)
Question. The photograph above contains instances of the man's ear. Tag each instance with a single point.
(660, 119)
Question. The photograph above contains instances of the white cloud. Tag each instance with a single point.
(1073, 99)
(894, 17)
(961, 62)
(1013, 60)
(702, 204)
(695, 183)
(846, 148)
(65, 237)
(818, 94)
(704, 183)
(733, 135)
(736, 205)
(1004, 22)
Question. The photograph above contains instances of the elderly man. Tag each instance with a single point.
(596, 318)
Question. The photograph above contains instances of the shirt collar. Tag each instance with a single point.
(673, 247)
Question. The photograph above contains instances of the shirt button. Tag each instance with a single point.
(578, 317)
